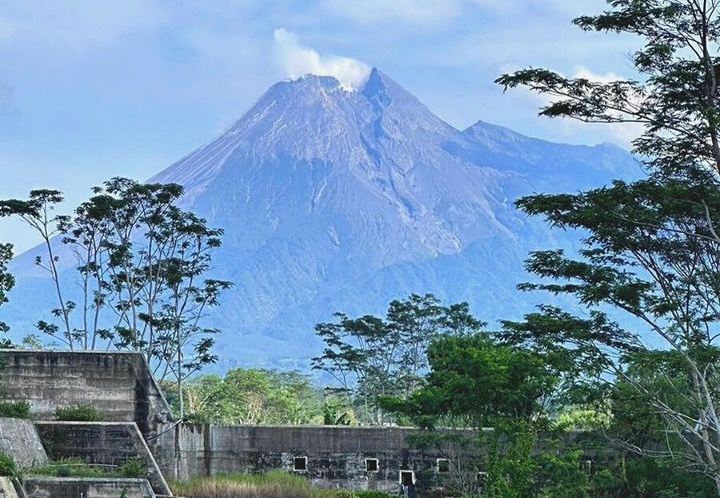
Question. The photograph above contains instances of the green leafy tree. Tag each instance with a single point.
(482, 405)
(7, 281)
(140, 263)
(252, 396)
(370, 357)
(38, 212)
(652, 245)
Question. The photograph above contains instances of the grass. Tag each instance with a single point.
(76, 467)
(78, 413)
(8, 467)
(274, 484)
(15, 409)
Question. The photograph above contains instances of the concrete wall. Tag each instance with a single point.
(101, 443)
(57, 487)
(336, 456)
(118, 384)
(19, 439)
(7, 488)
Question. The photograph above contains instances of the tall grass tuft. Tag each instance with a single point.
(273, 484)
(276, 484)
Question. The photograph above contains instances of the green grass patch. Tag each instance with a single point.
(77, 467)
(79, 413)
(15, 409)
(8, 467)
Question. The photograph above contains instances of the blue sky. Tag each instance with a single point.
(93, 89)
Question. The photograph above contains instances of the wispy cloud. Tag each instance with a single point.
(78, 23)
(414, 11)
(298, 60)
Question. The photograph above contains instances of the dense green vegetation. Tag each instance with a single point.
(253, 396)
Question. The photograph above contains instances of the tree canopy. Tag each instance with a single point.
(651, 250)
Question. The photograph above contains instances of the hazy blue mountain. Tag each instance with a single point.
(336, 200)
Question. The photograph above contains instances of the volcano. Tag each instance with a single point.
(337, 200)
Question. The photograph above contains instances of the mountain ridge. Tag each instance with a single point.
(341, 201)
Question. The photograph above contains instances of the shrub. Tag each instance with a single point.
(133, 468)
(8, 467)
(78, 413)
(15, 409)
(71, 467)
(63, 471)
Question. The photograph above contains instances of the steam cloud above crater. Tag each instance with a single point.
(298, 61)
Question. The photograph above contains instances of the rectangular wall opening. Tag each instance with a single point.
(482, 479)
(407, 477)
(443, 465)
(300, 464)
(372, 465)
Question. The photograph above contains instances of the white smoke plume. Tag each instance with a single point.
(298, 61)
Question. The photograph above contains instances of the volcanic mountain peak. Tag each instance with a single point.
(336, 200)
(312, 119)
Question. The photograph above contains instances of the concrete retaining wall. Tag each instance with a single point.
(19, 439)
(101, 443)
(87, 488)
(118, 384)
(336, 456)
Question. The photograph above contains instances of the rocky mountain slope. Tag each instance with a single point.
(338, 200)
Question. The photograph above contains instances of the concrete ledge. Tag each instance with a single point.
(68, 487)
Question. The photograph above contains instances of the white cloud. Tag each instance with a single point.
(624, 133)
(297, 61)
(588, 74)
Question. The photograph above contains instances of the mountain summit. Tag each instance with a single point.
(343, 200)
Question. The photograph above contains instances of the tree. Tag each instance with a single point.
(370, 357)
(252, 396)
(652, 246)
(481, 405)
(140, 262)
(38, 213)
(7, 282)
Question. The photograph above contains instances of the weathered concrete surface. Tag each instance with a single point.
(7, 489)
(101, 443)
(57, 487)
(335, 455)
(19, 439)
(118, 384)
